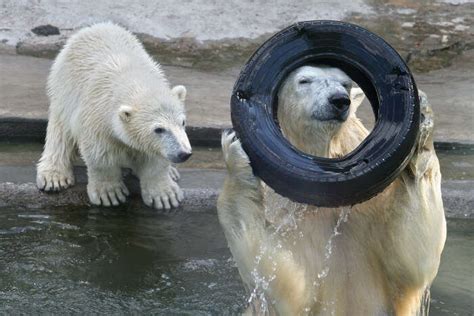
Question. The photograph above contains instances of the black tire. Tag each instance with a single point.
(378, 70)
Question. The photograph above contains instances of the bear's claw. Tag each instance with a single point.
(107, 193)
(162, 195)
(234, 156)
(174, 173)
(54, 180)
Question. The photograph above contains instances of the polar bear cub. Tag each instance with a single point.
(374, 258)
(110, 100)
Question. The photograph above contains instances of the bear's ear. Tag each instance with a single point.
(125, 113)
(180, 92)
(357, 97)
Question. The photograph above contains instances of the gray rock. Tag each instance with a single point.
(45, 30)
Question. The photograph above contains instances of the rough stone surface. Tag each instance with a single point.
(201, 188)
(27, 195)
(204, 44)
(429, 34)
(201, 19)
(22, 91)
(17, 189)
(450, 91)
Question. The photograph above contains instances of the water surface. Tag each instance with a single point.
(119, 260)
(115, 261)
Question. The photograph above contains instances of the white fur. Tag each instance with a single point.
(107, 97)
(375, 258)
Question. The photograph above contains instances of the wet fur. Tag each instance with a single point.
(385, 253)
(107, 96)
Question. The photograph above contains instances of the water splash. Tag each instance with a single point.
(321, 276)
(283, 216)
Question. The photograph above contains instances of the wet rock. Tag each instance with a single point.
(437, 58)
(43, 47)
(457, 196)
(429, 34)
(45, 30)
(201, 190)
(208, 54)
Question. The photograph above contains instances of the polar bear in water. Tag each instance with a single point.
(377, 258)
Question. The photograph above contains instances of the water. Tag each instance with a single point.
(452, 292)
(456, 163)
(116, 261)
(124, 260)
(321, 276)
(288, 215)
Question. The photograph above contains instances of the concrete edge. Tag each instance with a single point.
(222, 53)
(457, 204)
(182, 51)
(27, 196)
(34, 130)
(17, 190)
(458, 196)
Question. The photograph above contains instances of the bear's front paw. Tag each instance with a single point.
(235, 157)
(174, 173)
(107, 193)
(426, 124)
(54, 180)
(162, 195)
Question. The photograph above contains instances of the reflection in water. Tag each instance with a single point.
(122, 260)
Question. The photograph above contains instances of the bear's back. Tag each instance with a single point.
(92, 46)
(99, 58)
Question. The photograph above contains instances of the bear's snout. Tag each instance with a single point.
(340, 101)
(182, 156)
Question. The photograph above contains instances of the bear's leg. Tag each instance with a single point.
(174, 173)
(241, 213)
(54, 169)
(418, 207)
(105, 186)
(159, 189)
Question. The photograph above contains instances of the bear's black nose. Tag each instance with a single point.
(340, 101)
(183, 156)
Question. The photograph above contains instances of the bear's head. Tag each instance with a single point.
(313, 103)
(154, 121)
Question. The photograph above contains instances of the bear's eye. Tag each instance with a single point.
(159, 130)
(184, 123)
(304, 81)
